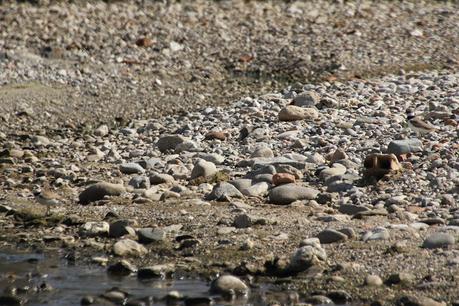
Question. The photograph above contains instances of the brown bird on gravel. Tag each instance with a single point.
(48, 198)
(419, 126)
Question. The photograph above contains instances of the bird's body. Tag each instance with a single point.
(48, 198)
(419, 126)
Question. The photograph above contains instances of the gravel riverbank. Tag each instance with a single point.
(318, 187)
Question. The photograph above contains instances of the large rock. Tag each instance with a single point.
(439, 240)
(293, 113)
(128, 247)
(229, 285)
(169, 142)
(99, 190)
(256, 190)
(203, 168)
(223, 191)
(399, 147)
(149, 235)
(286, 194)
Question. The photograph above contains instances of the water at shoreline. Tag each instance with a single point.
(30, 275)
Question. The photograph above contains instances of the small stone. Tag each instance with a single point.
(400, 278)
(223, 191)
(155, 271)
(128, 247)
(101, 131)
(215, 135)
(439, 240)
(149, 235)
(378, 233)
(131, 168)
(98, 191)
(306, 99)
(283, 178)
(331, 236)
(91, 229)
(169, 142)
(243, 221)
(399, 147)
(139, 182)
(339, 154)
(203, 169)
(293, 113)
(351, 209)
(120, 228)
(122, 267)
(262, 151)
(258, 189)
(373, 281)
(286, 194)
(161, 178)
(409, 300)
(228, 285)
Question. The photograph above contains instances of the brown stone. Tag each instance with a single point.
(215, 135)
(378, 165)
(283, 178)
(144, 42)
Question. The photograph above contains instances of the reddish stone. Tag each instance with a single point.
(283, 178)
(144, 42)
(215, 135)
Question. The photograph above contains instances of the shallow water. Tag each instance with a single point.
(70, 282)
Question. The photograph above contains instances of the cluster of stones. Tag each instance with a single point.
(305, 146)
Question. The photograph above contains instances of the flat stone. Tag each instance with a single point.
(286, 194)
(294, 113)
(331, 236)
(128, 247)
(283, 178)
(439, 240)
(399, 147)
(378, 233)
(256, 190)
(351, 209)
(169, 142)
(263, 151)
(223, 191)
(99, 190)
(161, 178)
(149, 235)
(229, 285)
(131, 168)
(411, 300)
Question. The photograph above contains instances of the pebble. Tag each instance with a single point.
(306, 99)
(98, 191)
(203, 168)
(378, 233)
(91, 229)
(128, 247)
(169, 142)
(439, 240)
(294, 113)
(149, 235)
(331, 236)
(373, 281)
(229, 285)
(283, 178)
(399, 147)
(286, 194)
(223, 191)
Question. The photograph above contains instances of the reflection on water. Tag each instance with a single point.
(22, 274)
